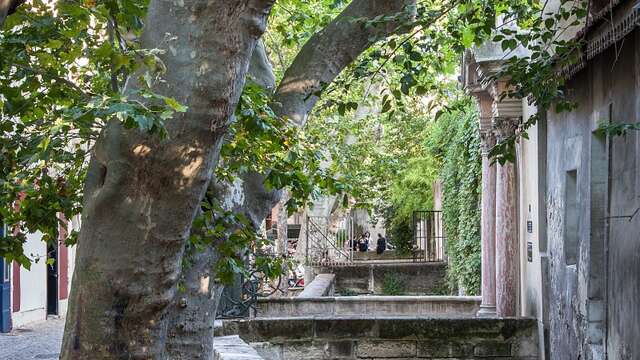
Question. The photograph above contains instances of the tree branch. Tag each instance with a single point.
(329, 51)
(317, 64)
(8, 7)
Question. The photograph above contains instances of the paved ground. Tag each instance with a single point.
(35, 341)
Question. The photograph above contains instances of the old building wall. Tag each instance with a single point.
(529, 227)
(594, 295)
(623, 267)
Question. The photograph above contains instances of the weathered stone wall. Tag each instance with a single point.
(593, 189)
(420, 278)
(453, 306)
(389, 338)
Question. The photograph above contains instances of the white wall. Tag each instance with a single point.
(528, 190)
(33, 284)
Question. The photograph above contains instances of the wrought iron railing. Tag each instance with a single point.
(323, 245)
(428, 234)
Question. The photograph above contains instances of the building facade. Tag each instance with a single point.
(568, 208)
(33, 295)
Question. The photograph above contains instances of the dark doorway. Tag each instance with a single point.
(52, 280)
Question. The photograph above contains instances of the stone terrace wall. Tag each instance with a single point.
(421, 278)
(322, 285)
(453, 306)
(389, 338)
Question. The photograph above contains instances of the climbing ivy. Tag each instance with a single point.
(454, 141)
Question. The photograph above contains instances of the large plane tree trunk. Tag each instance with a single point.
(321, 59)
(192, 313)
(142, 192)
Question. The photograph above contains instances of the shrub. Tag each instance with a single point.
(393, 284)
(402, 235)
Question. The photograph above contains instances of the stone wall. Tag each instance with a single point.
(420, 278)
(453, 306)
(593, 191)
(389, 338)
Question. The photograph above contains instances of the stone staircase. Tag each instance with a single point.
(357, 337)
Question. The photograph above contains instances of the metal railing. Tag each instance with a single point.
(332, 244)
(324, 245)
(428, 234)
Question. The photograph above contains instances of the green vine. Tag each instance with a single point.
(455, 141)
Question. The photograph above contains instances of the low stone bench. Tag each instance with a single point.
(322, 285)
(389, 337)
(233, 348)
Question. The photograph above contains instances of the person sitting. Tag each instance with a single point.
(381, 245)
(363, 244)
(354, 244)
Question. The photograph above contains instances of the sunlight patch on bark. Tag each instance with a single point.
(204, 284)
(191, 170)
(142, 150)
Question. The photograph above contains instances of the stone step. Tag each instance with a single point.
(389, 337)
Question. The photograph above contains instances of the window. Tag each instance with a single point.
(571, 218)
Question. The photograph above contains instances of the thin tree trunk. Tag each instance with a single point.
(142, 193)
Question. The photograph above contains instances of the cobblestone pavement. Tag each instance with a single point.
(39, 340)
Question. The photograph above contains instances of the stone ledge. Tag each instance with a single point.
(420, 278)
(358, 337)
(322, 285)
(435, 306)
(233, 348)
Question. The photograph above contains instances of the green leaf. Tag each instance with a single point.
(468, 36)
(174, 104)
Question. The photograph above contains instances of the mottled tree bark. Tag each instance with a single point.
(192, 313)
(142, 193)
(321, 59)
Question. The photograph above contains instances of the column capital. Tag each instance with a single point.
(505, 127)
(487, 141)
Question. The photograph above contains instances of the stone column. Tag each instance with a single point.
(488, 227)
(506, 227)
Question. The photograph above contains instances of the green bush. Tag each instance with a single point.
(393, 284)
(402, 235)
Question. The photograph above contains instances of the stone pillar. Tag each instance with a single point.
(506, 227)
(488, 228)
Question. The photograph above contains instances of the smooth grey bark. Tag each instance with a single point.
(142, 193)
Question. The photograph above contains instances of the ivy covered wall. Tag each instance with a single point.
(455, 142)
